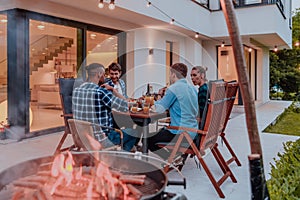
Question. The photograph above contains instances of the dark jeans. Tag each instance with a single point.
(129, 138)
(163, 135)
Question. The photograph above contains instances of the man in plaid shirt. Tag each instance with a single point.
(94, 104)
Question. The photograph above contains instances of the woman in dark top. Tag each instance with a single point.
(198, 76)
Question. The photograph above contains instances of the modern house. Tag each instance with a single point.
(43, 40)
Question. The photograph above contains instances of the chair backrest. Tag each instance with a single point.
(214, 115)
(231, 91)
(203, 119)
(66, 86)
(83, 135)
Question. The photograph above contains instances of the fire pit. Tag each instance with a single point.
(118, 175)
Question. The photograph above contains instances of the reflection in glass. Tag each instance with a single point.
(101, 48)
(53, 55)
(3, 68)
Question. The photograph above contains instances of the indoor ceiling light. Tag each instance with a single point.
(41, 27)
(93, 36)
(3, 20)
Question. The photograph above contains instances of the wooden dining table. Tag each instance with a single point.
(128, 119)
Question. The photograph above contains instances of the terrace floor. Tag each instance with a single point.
(198, 184)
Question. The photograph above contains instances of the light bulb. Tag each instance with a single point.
(172, 21)
(250, 49)
(101, 4)
(196, 35)
(275, 48)
(223, 44)
(111, 5)
(149, 4)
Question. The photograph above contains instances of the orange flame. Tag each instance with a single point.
(103, 182)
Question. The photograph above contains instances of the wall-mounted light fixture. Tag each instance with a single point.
(151, 51)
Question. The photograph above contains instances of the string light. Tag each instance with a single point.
(250, 49)
(196, 35)
(172, 21)
(111, 5)
(297, 44)
(100, 4)
(148, 4)
(275, 48)
(223, 44)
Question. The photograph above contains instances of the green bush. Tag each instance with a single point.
(285, 175)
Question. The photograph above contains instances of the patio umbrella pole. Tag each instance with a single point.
(258, 181)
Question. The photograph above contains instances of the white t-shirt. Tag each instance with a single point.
(118, 88)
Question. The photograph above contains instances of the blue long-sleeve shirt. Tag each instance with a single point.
(182, 101)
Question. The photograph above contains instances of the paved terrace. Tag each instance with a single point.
(198, 184)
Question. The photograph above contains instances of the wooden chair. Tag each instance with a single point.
(83, 136)
(231, 90)
(206, 139)
(66, 87)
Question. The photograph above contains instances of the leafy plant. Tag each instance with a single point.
(285, 174)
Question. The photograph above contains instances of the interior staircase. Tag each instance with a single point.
(53, 49)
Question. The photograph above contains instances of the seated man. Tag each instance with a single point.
(115, 72)
(94, 104)
(180, 99)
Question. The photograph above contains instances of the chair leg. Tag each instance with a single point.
(224, 166)
(210, 176)
(234, 157)
(61, 142)
(206, 169)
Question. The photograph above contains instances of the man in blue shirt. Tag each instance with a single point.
(181, 101)
(94, 104)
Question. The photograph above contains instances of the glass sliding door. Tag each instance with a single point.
(53, 55)
(227, 69)
(3, 67)
(101, 48)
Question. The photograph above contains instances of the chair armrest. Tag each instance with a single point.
(165, 120)
(66, 115)
(114, 129)
(187, 129)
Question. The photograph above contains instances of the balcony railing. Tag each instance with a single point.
(243, 3)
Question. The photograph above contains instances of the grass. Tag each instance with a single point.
(288, 123)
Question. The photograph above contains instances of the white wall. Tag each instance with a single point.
(152, 68)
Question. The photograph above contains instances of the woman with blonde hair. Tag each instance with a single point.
(198, 76)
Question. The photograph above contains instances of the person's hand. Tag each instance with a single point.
(162, 91)
(108, 87)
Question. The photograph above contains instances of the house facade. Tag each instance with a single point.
(43, 40)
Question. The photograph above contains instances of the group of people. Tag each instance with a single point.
(94, 100)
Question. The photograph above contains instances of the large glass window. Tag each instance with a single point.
(3, 67)
(101, 48)
(53, 55)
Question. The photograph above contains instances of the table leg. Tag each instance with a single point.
(145, 136)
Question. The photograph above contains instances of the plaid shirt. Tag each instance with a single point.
(202, 98)
(94, 104)
(122, 84)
